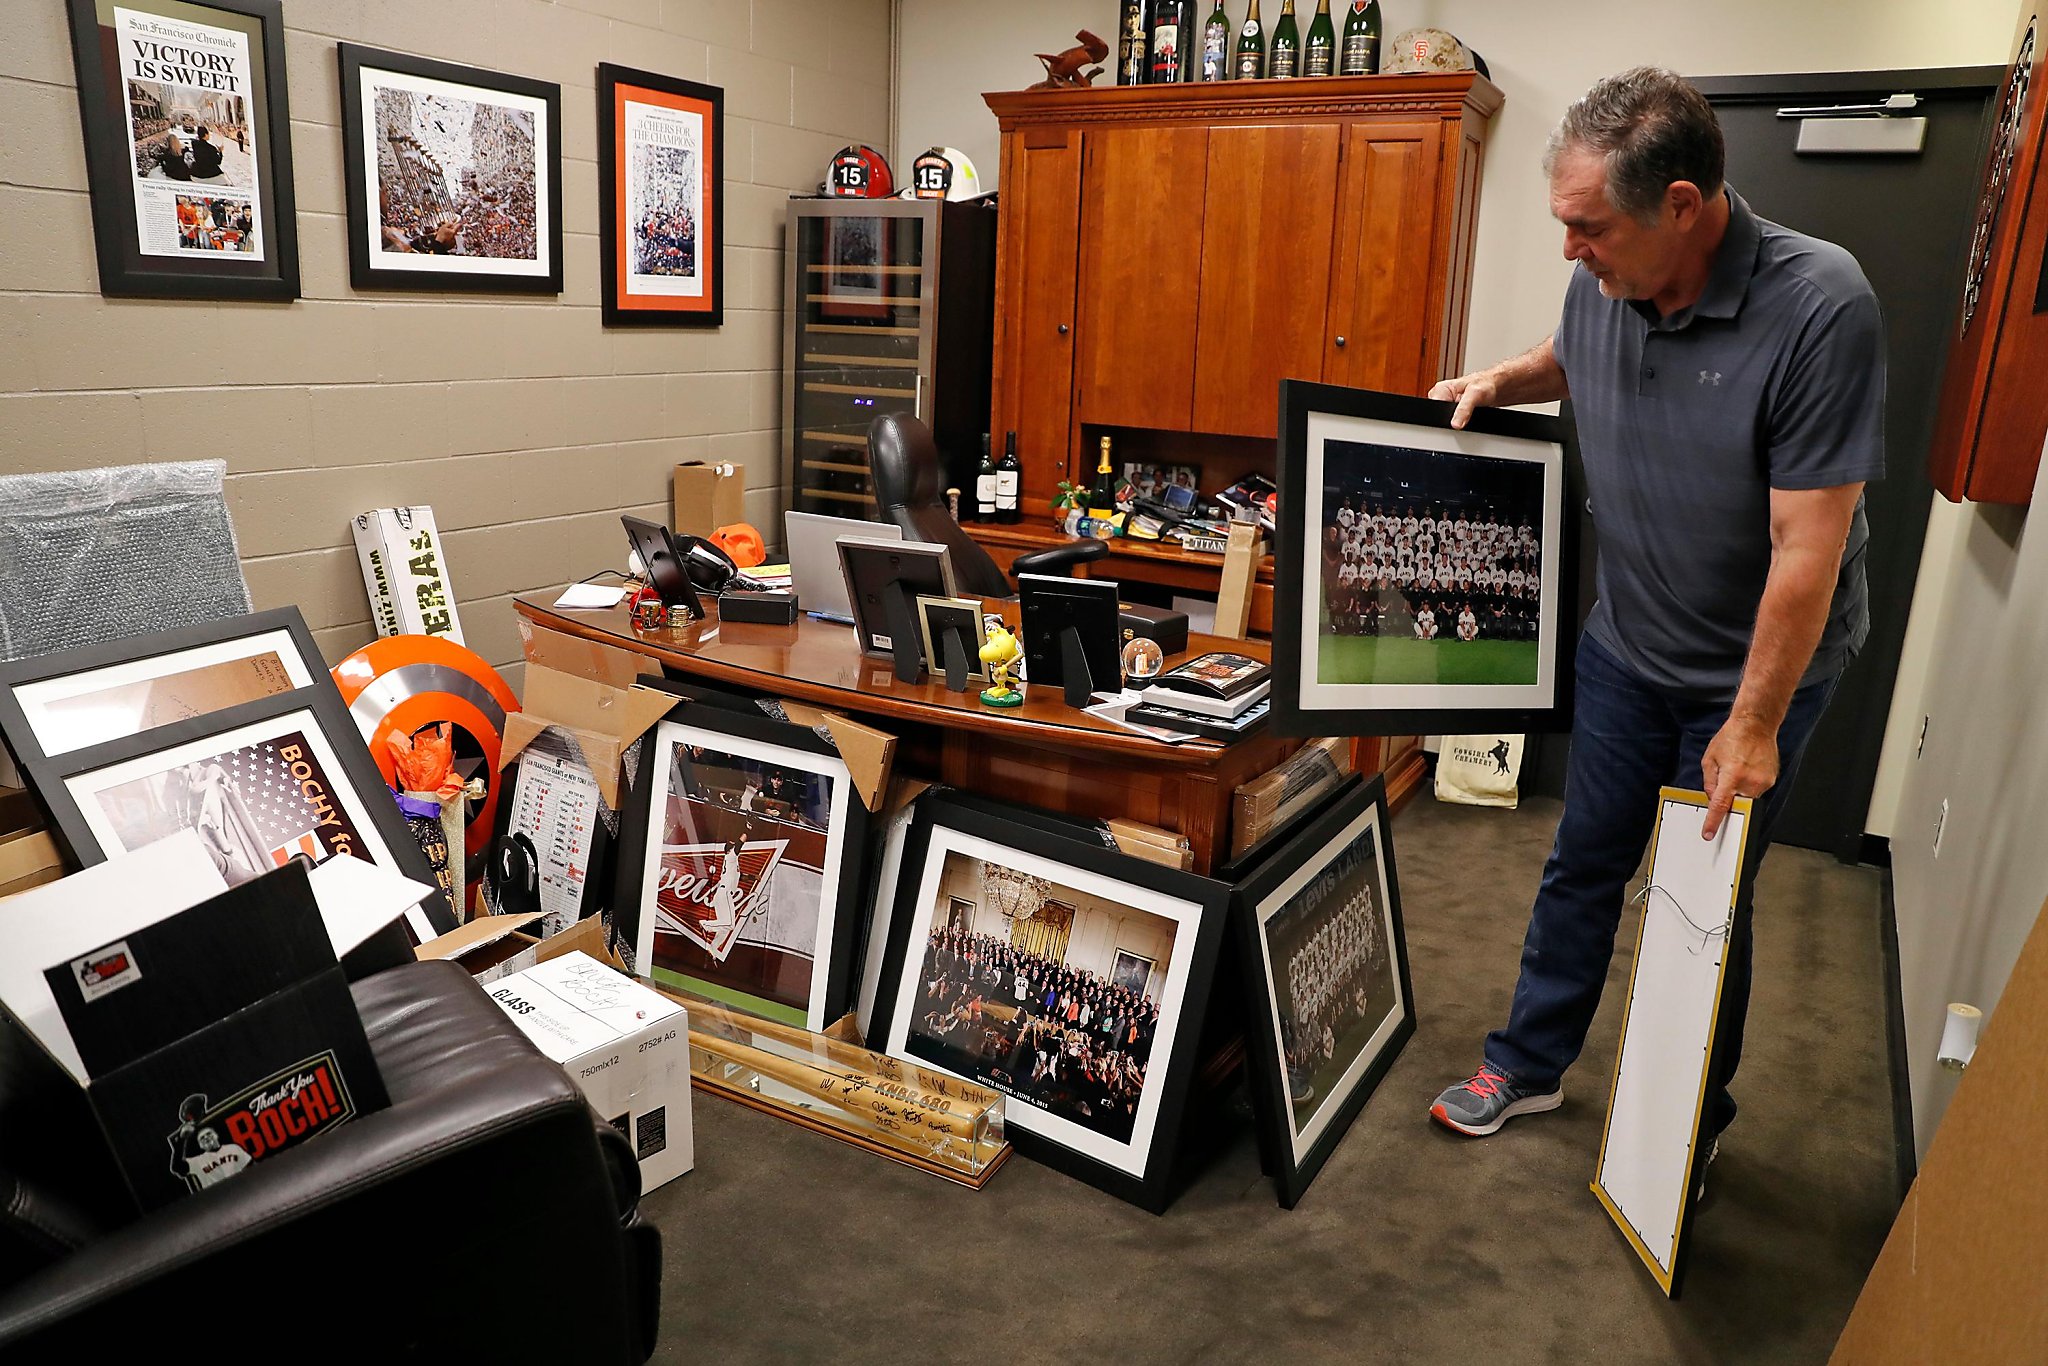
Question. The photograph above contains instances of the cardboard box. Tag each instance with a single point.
(28, 858)
(628, 1047)
(1151, 843)
(1268, 801)
(405, 572)
(491, 946)
(707, 497)
(602, 720)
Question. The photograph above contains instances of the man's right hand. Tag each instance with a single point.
(1476, 390)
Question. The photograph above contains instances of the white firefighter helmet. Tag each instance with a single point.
(943, 173)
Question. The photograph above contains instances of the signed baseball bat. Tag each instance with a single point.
(889, 1105)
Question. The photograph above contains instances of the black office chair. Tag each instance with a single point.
(905, 465)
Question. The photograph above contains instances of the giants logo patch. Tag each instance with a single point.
(282, 1111)
(707, 892)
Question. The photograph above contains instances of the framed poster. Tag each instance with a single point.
(661, 160)
(1330, 1004)
(187, 147)
(1002, 968)
(741, 858)
(855, 268)
(453, 175)
(260, 782)
(1425, 579)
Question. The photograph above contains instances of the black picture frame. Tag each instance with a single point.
(934, 615)
(837, 944)
(1294, 1153)
(105, 111)
(884, 579)
(1313, 415)
(376, 809)
(1143, 1169)
(370, 267)
(623, 307)
(1048, 606)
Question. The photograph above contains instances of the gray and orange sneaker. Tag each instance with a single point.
(1481, 1104)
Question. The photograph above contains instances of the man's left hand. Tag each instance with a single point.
(1742, 761)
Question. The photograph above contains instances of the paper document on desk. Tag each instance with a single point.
(590, 596)
(1111, 707)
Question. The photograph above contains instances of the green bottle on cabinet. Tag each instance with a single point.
(1284, 60)
(1216, 45)
(1320, 56)
(1251, 47)
(1360, 53)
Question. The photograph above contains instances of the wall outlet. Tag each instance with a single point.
(1920, 745)
(1940, 824)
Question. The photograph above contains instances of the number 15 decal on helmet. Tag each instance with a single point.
(944, 173)
(859, 172)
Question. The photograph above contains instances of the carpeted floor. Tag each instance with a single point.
(1412, 1246)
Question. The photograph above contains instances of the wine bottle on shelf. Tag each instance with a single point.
(1130, 44)
(1102, 493)
(1319, 57)
(1172, 32)
(1360, 52)
(1009, 474)
(1251, 47)
(985, 485)
(1283, 59)
(1216, 45)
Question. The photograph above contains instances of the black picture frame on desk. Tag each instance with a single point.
(1077, 904)
(1069, 627)
(884, 579)
(228, 234)
(1353, 660)
(1318, 925)
(722, 806)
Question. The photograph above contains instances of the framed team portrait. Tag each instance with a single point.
(261, 782)
(187, 147)
(741, 858)
(661, 159)
(1070, 976)
(1424, 578)
(1329, 1001)
(453, 175)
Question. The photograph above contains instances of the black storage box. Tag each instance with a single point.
(1161, 624)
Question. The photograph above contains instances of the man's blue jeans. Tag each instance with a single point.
(1628, 740)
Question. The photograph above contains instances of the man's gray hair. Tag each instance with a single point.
(1652, 127)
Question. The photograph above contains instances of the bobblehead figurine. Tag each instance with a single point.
(1000, 654)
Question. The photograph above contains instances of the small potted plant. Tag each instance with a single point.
(1065, 504)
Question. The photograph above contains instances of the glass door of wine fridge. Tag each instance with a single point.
(858, 343)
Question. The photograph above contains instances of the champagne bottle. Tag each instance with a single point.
(1320, 57)
(1008, 475)
(1251, 47)
(1216, 45)
(985, 485)
(1130, 45)
(1102, 495)
(1285, 58)
(1171, 34)
(1360, 54)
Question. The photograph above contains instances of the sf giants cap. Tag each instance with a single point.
(1426, 50)
(859, 172)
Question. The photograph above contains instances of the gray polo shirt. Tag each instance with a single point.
(1774, 379)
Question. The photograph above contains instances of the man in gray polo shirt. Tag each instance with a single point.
(1727, 376)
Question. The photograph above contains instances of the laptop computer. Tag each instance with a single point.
(814, 570)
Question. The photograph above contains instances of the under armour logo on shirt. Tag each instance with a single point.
(1712, 377)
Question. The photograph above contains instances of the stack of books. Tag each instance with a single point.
(1219, 695)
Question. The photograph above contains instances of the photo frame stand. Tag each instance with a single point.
(921, 1118)
(953, 649)
(1075, 676)
(904, 642)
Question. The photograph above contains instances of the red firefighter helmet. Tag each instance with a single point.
(859, 172)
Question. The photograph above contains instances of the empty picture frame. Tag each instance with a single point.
(1326, 962)
(1424, 578)
(1651, 1150)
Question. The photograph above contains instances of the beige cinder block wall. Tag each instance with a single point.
(525, 423)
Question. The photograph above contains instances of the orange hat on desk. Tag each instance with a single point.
(743, 543)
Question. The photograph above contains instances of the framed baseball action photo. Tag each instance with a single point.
(661, 206)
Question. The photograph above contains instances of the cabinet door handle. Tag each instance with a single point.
(1063, 329)
(1340, 341)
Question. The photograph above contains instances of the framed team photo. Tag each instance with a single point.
(661, 158)
(261, 782)
(1319, 922)
(453, 175)
(187, 147)
(740, 867)
(1069, 976)
(1424, 578)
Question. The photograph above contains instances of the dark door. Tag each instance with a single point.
(1906, 219)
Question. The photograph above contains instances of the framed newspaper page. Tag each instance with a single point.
(661, 159)
(187, 147)
(453, 175)
(1424, 579)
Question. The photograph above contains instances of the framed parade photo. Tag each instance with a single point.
(1425, 579)
(1329, 1002)
(1069, 976)
(741, 856)
(187, 147)
(661, 160)
(453, 175)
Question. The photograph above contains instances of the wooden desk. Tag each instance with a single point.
(1044, 752)
(1166, 564)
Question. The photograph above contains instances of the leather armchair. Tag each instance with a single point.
(487, 1214)
(904, 462)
